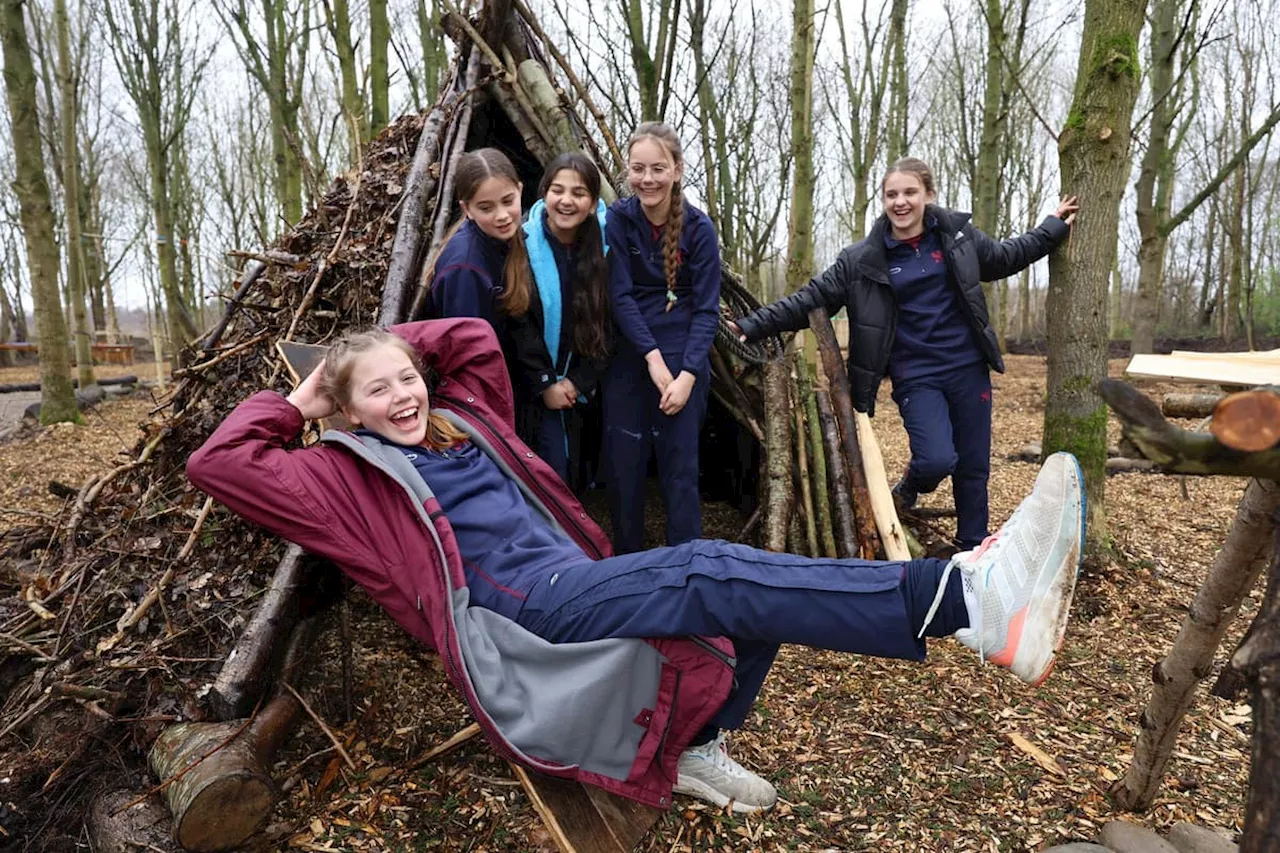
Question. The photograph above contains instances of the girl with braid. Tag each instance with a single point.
(664, 280)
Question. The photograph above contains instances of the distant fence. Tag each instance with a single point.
(101, 353)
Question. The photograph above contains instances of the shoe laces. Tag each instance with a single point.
(970, 558)
(717, 754)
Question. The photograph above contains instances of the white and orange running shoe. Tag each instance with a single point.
(1019, 583)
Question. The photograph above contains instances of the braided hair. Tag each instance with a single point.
(666, 137)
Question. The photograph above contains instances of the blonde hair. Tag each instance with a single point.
(340, 362)
(666, 137)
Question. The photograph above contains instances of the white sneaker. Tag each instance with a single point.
(1019, 582)
(708, 773)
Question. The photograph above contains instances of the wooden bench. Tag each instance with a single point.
(101, 353)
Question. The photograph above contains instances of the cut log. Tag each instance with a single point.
(1248, 421)
(19, 387)
(145, 825)
(1188, 405)
(1180, 451)
(218, 788)
(583, 819)
(222, 794)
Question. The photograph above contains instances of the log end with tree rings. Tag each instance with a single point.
(222, 794)
(1248, 421)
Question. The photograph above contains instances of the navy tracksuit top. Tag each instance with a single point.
(638, 285)
(933, 335)
(506, 546)
(468, 278)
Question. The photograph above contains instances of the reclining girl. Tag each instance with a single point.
(623, 671)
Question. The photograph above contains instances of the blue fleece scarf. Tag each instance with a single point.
(547, 276)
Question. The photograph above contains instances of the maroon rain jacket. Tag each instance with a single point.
(338, 500)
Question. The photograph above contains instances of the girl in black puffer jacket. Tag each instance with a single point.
(913, 290)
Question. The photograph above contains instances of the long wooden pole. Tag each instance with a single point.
(833, 364)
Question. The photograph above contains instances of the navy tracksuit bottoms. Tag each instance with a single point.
(948, 421)
(759, 599)
(634, 430)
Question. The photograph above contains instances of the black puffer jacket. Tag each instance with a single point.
(859, 281)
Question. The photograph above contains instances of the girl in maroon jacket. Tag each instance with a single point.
(611, 670)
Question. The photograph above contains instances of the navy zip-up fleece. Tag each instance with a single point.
(638, 285)
(933, 335)
(506, 547)
(468, 278)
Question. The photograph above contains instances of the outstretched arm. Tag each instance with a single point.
(999, 259)
(792, 312)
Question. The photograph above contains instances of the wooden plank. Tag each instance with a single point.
(1222, 370)
(882, 508)
(582, 819)
(300, 360)
(1259, 355)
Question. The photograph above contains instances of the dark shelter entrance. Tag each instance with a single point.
(729, 454)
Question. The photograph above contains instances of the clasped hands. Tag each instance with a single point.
(675, 391)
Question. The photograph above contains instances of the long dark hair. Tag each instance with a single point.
(473, 168)
(590, 311)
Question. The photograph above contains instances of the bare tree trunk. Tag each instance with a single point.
(1093, 153)
(988, 178)
(337, 15)
(1155, 180)
(69, 110)
(379, 77)
(800, 239)
(57, 399)
(1234, 572)
(899, 85)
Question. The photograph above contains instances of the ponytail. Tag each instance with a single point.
(517, 290)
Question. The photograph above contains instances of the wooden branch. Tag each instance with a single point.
(1185, 405)
(838, 473)
(1178, 450)
(418, 186)
(805, 486)
(448, 746)
(1259, 657)
(833, 363)
(619, 162)
(252, 272)
(244, 675)
(779, 490)
(818, 482)
(1234, 572)
(270, 256)
(881, 498)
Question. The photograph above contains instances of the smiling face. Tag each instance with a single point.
(495, 207)
(904, 197)
(651, 171)
(569, 203)
(388, 396)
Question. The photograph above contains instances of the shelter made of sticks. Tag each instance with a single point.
(143, 604)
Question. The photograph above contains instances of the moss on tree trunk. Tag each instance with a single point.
(1093, 154)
